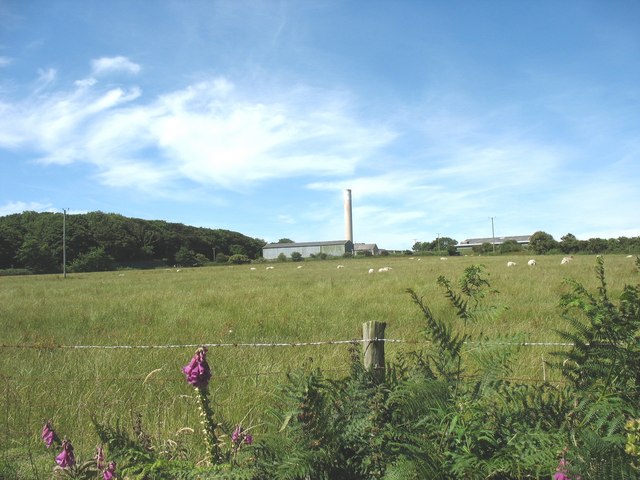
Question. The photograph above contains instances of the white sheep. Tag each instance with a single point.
(531, 262)
(565, 260)
(443, 258)
(252, 268)
(299, 266)
(371, 270)
(511, 264)
(340, 266)
(270, 267)
(384, 269)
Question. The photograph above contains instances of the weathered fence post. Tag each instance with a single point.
(373, 347)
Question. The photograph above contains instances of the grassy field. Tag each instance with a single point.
(234, 304)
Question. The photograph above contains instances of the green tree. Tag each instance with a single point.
(95, 260)
(282, 257)
(542, 242)
(286, 240)
(296, 257)
(37, 256)
(239, 259)
(596, 245)
(185, 257)
(237, 250)
(569, 243)
(509, 246)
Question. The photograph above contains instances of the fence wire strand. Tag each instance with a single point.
(48, 346)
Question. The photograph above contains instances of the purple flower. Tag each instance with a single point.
(236, 435)
(240, 436)
(198, 372)
(99, 457)
(110, 472)
(66, 458)
(562, 471)
(48, 434)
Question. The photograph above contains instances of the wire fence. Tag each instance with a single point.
(51, 346)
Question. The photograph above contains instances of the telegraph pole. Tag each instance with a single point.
(64, 243)
(493, 236)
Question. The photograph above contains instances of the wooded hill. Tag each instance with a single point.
(32, 242)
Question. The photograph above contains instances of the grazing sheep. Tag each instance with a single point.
(531, 262)
(269, 268)
(443, 258)
(299, 266)
(384, 269)
(511, 264)
(371, 270)
(629, 256)
(252, 268)
(565, 260)
(340, 266)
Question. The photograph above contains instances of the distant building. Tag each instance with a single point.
(366, 249)
(336, 248)
(474, 242)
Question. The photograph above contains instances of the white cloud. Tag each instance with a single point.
(85, 82)
(19, 207)
(106, 65)
(4, 61)
(208, 134)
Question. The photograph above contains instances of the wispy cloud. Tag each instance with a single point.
(4, 61)
(114, 64)
(208, 133)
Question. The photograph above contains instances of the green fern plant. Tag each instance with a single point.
(605, 337)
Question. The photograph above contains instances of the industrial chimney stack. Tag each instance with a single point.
(348, 223)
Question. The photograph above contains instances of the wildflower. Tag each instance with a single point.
(198, 372)
(66, 458)
(562, 471)
(235, 436)
(48, 434)
(99, 457)
(110, 472)
(240, 436)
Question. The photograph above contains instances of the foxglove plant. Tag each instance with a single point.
(562, 471)
(198, 374)
(99, 457)
(66, 458)
(49, 435)
(110, 472)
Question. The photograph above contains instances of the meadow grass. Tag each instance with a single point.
(233, 304)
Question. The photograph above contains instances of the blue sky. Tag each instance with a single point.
(255, 116)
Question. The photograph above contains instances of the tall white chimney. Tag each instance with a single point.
(348, 222)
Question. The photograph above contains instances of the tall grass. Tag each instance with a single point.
(234, 304)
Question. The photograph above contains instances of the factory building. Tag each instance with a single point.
(336, 248)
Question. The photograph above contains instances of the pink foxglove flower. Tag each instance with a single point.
(562, 472)
(66, 458)
(110, 472)
(48, 434)
(198, 372)
(99, 457)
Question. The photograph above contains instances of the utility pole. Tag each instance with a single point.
(438, 242)
(493, 236)
(64, 243)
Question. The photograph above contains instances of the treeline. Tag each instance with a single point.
(540, 243)
(32, 242)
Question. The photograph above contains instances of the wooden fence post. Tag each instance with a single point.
(373, 347)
